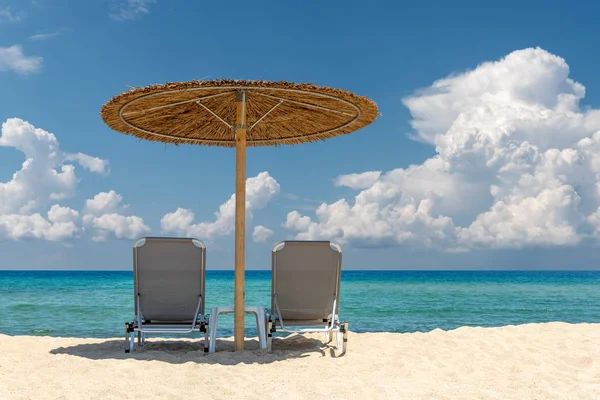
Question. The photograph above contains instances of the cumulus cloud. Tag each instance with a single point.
(517, 164)
(358, 181)
(13, 59)
(121, 226)
(61, 224)
(131, 9)
(105, 216)
(45, 177)
(104, 203)
(259, 191)
(261, 234)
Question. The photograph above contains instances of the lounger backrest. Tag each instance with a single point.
(169, 276)
(306, 279)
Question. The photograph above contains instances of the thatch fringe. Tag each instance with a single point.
(149, 113)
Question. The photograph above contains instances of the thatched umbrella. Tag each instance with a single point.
(235, 113)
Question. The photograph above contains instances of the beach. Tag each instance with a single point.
(532, 361)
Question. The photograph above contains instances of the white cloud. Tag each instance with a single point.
(105, 216)
(261, 234)
(44, 176)
(297, 222)
(60, 225)
(550, 218)
(13, 59)
(60, 214)
(93, 164)
(104, 203)
(44, 36)
(259, 191)
(358, 181)
(179, 222)
(517, 164)
(131, 9)
(121, 226)
(8, 16)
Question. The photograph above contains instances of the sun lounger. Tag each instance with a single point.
(305, 290)
(169, 288)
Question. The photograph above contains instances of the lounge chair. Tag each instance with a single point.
(169, 289)
(305, 290)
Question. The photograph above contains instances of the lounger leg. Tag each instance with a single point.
(345, 337)
(206, 338)
(269, 335)
(260, 327)
(328, 337)
(132, 342)
(214, 315)
(126, 337)
(139, 335)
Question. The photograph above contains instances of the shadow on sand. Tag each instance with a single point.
(183, 351)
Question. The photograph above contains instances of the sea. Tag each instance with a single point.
(98, 303)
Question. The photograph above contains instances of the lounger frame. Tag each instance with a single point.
(139, 325)
(275, 321)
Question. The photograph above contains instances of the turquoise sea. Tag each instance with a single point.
(97, 304)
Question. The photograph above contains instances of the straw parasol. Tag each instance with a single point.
(238, 113)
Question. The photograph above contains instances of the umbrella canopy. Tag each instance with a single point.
(204, 112)
(237, 113)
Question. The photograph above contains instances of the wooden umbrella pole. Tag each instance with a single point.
(240, 218)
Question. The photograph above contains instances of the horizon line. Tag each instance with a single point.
(343, 270)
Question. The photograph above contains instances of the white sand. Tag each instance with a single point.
(535, 361)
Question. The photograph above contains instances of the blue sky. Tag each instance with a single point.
(491, 124)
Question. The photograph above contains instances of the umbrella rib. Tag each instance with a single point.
(176, 104)
(219, 118)
(267, 113)
(305, 104)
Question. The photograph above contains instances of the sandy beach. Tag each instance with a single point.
(533, 361)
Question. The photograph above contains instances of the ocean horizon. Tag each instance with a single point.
(344, 271)
(98, 303)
